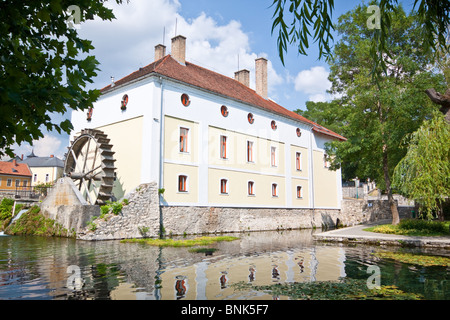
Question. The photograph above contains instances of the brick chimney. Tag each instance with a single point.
(243, 76)
(179, 49)
(160, 52)
(261, 77)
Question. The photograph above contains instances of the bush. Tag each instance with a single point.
(6, 208)
(424, 226)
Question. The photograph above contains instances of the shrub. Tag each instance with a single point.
(424, 226)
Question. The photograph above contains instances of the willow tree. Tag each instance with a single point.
(423, 174)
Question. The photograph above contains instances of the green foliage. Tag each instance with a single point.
(114, 207)
(423, 174)
(201, 241)
(307, 16)
(45, 67)
(414, 227)
(376, 116)
(35, 224)
(345, 289)
(417, 259)
(6, 209)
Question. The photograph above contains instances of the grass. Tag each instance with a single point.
(345, 289)
(414, 227)
(200, 241)
(34, 223)
(417, 259)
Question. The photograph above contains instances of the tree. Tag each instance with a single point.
(380, 112)
(431, 14)
(424, 173)
(45, 66)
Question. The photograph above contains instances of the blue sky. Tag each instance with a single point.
(217, 33)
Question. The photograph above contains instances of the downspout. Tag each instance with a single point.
(161, 158)
(311, 156)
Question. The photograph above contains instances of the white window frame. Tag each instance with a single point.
(301, 192)
(300, 162)
(226, 147)
(274, 164)
(276, 190)
(188, 143)
(253, 151)
(253, 188)
(178, 183)
(227, 187)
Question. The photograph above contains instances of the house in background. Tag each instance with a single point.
(44, 169)
(14, 175)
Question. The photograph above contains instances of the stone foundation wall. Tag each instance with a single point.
(138, 219)
(141, 218)
(197, 220)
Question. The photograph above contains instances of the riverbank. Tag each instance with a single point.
(356, 234)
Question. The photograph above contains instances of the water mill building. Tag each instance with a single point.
(211, 141)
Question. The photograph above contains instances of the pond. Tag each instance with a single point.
(43, 268)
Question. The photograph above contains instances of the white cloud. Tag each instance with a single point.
(313, 82)
(128, 43)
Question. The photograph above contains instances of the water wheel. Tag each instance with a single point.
(90, 164)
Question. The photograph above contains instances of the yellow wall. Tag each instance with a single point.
(126, 138)
(237, 152)
(4, 182)
(171, 173)
(172, 140)
(238, 188)
(325, 184)
(53, 174)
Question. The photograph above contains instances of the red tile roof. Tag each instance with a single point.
(217, 83)
(14, 169)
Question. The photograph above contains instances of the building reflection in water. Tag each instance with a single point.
(211, 278)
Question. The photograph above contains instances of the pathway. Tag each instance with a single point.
(357, 234)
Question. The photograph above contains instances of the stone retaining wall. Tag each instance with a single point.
(138, 219)
(141, 218)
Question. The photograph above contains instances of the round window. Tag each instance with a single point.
(273, 124)
(224, 111)
(250, 118)
(124, 102)
(299, 132)
(185, 100)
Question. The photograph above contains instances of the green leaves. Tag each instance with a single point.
(303, 14)
(42, 70)
(424, 173)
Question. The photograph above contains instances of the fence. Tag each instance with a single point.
(26, 193)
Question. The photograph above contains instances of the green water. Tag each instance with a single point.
(39, 268)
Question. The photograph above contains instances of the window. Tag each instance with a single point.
(299, 192)
(223, 186)
(9, 182)
(35, 177)
(298, 161)
(299, 132)
(273, 157)
(326, 163)
(273, 125)
(17, 183)
(24, 183)
(224, 111)
(251, 191)
(223, 147)
(274, 190)
(182, 183)
(185, 100)
(249, 151)
(184, 134)
(46, 177)
(250, 118)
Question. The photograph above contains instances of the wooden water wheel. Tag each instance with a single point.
(90, 164)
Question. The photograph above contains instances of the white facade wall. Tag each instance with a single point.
(149, 96)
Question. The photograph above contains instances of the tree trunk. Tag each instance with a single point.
(387, 180)
(441, 99)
